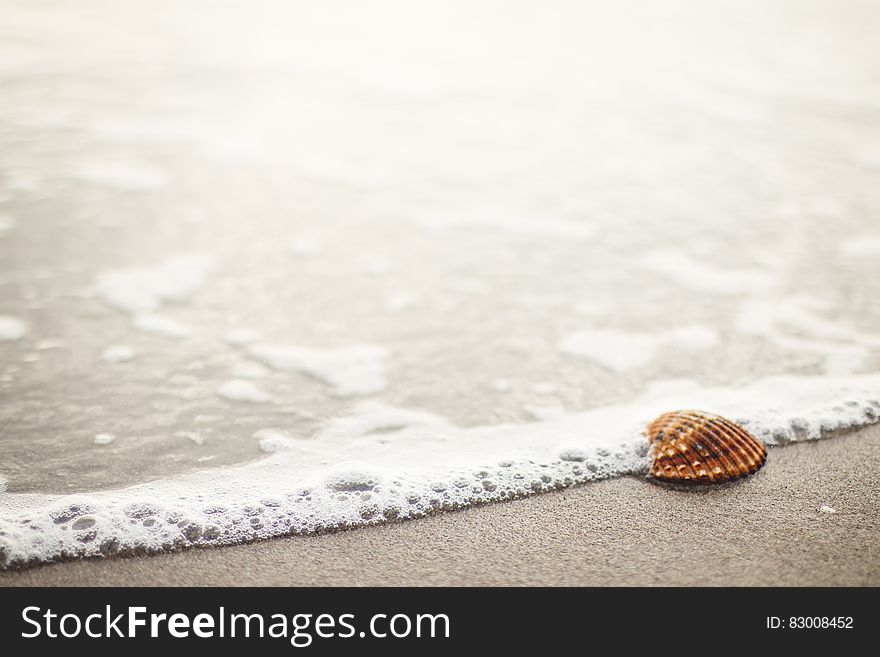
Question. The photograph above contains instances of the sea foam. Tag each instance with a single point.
(139, 290)
(625, 350)
(379, 463)
(353, 370)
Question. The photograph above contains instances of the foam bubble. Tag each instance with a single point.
(11, 328)
(104, 438)
(351, 476)
(575, 454)
(272, 440)
(353, 370)
(242, 390)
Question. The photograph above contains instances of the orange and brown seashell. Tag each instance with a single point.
(695, 447)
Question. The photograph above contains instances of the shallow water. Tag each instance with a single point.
(427, 240)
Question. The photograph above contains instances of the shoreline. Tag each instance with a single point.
(767, 530)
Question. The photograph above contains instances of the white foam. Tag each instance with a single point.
(353, 477)
(354, 370)
(375, 418)
(11, 328)
(827, 509)
(104, 438)
(695, 275)
(545, 411)
(796, 324)
(627, 350)
(381, 462)
(616, 350)
(271, 440)
(242, 390)
(143, 289)
(4, 484)
(163, 325)
(696, 338)
(118, 353)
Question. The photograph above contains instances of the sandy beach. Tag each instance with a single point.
(767, 531)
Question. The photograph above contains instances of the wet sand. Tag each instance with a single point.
(764, 531)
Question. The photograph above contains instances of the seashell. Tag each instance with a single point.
(696, 447)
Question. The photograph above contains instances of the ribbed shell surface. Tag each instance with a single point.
(697, 447)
